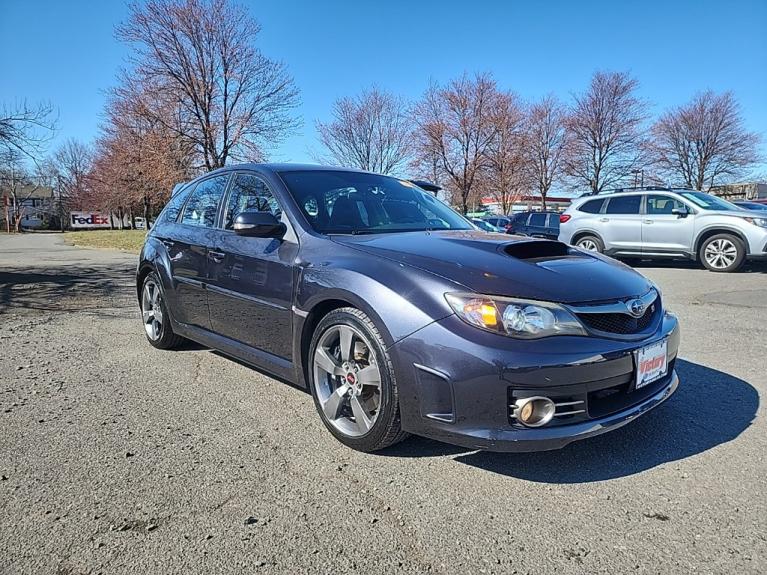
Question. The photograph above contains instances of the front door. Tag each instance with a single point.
(250, 288)
(188, 242)
(664, 231)
(621, 224)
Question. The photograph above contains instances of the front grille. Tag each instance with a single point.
(620, 323)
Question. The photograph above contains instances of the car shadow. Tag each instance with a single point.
(752, 266)
(709, 408)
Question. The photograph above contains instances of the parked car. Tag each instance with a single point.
(746, 205)
(399, 316)
(535, 224)
(666, 223)
(500, 222)
(485, 226)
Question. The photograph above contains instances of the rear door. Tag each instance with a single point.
(664, 231)
(536, 225)
(622, 223)
(250, 288)
(188, 246)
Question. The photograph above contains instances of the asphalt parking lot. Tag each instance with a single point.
(118, 458)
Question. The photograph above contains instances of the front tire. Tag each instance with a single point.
(722, 253)
(155, 316)
(352, 381)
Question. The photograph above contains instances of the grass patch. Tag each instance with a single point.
(125, 240)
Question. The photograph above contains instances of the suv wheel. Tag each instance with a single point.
(352, 381)
(154, 314)
(722, 253)
(590, 244)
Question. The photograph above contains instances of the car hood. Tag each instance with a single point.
(501, 264)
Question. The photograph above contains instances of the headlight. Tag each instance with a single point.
(523, 319)
(761, 222)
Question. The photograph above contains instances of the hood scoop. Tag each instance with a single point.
(538, 250)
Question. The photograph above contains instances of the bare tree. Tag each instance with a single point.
(26, 128)
(73, 162)
(606, 135)
(506, 174)
(370, 132)
(456, 125)
(546, 143)
(199, 57)
(704, 141)
(18, 184)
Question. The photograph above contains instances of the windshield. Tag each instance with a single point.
(338, 202)
(709, 202)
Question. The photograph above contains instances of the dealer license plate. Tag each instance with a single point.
(651, 363)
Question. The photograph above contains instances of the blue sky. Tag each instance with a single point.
(65, 52)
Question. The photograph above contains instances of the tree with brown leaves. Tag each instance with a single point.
(456, 126)
(546, 144)
(606, 134)
(198, 57)
(370, 132)
(704, 141)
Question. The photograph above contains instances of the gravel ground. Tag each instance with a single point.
(118, 458)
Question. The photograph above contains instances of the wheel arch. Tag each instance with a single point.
(716, 230)
(582, 233)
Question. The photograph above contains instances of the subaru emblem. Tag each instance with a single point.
(635, 307)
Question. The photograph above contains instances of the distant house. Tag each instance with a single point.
(741, 191)
(34, 204)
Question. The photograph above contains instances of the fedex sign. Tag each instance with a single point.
(89, 220)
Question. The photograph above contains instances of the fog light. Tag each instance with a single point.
(534, 411)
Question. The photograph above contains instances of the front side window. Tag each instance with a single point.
(202, 207)
(340, 202)
(624, 205)
(249, 194)
(659, 205)
(538, 220)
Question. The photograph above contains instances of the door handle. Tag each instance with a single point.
(647, 221)
(217, 257)
(604, 219)
(168, 243)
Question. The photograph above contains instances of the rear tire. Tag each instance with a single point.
(722, 253)
(362, 412)
(155, 316)
(590, 243)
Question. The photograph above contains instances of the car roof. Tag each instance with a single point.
(289, 167)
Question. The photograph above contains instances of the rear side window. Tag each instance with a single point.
(624, 205)
(173, 207)
(202, 207)
(592, 206)
(538, 220)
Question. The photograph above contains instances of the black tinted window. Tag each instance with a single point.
(624, 205)
(249, 194)
(173, 207)
(202, 207)
(537, 220)
(592, 207)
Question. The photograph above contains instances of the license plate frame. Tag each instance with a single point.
(651, 363)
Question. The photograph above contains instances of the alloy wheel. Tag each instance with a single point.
(588, 245)
(151, 310)
(347, 380)
(721, 253)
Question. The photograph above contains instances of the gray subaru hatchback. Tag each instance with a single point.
(399, 316)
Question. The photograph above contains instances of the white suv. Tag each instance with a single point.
(666, 223)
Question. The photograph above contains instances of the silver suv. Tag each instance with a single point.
(666, 223)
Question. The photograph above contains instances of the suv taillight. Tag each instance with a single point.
(563, 218)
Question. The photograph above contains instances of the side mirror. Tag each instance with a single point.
(680, 212)
(258, 225)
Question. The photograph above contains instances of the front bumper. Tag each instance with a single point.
(457, 386)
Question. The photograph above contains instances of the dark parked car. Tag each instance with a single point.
(398, 316)
(751, 205)
(501, 222)
(485, 226)
(535, 224)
